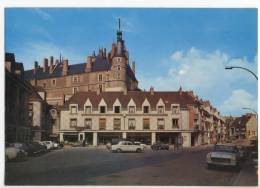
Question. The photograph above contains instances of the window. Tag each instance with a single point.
(102, 109)
(118, 67)
(53, 82)
(118, 75)
(160, 110)
(146, 109)
(73, 109)
(75, 89)
(100, 77)
(117, 109)
(102, 124)
(160, 124)
(73, 122)
(75, 79)
(107, 77)
(88, 123)
(30, 110)
(175, 123)
(131, 124)
(131, 109)
(117, 124)
(146, 123)
(87, 109)
(175, 109)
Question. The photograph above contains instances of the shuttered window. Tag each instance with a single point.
(146, 123)
(102, 124)
(117, 124)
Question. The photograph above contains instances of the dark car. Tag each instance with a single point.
(160, 146)
(31, 148)
(37, 148)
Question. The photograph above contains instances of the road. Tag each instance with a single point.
(96, 166)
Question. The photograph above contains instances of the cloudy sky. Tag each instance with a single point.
(171, 47)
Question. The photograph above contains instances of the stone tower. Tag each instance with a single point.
(119, 64)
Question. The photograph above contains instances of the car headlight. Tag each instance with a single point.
(233, 157)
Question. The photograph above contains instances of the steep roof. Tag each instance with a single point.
(138, 97)
(100, 64)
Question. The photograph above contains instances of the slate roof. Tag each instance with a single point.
(138, 97)
(100, 64)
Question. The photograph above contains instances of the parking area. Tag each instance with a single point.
(97, 166)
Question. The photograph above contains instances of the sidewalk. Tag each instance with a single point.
(247, 176)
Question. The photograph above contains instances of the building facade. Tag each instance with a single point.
(102, 72)
(17, 93)
(39, 115)
(151, 116)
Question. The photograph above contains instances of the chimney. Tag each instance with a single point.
(151, 90)
(88, 66)
(113, 50)
(45, 65)
(65, 66)
(105, 52)
(35, 67)
(51, 64)
(133, 67)
(98, 91)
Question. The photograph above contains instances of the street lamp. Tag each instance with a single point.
(236, 67)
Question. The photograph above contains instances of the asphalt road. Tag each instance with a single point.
(96, 166)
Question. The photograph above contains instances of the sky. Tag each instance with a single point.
(172, 47)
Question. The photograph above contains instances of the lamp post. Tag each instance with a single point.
(237, 67)
(251, 110)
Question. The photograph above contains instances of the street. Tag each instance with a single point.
(97, 166)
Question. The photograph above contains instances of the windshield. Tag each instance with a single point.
(224, 148)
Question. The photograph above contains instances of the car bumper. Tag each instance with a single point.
(221, 163)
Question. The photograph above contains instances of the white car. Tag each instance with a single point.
(48, 144)
(12, 153)
(224, 155)
(126, 146)
(140, 144)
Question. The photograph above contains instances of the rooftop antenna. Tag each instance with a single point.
(119, 23)
(60, 57)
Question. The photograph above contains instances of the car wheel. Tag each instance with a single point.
(118, 150)
(138, 150)
(210, 166)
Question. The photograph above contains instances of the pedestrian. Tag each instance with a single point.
(84, 143)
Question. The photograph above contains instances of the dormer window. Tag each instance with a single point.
(175, 109)
(160, 110)
(73, 109)
(100, 77)
(146, 109)
(117, 109)
(87, 109)
(75, 79)
(131, 109)
(102, 109)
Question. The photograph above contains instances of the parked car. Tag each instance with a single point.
(140, 144)
(126, 146)
(48, 144)
(224, 155)
(243, 152)
(160, 146)
(12, 153)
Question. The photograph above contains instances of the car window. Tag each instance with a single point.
(224, 148)
(129, 143)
